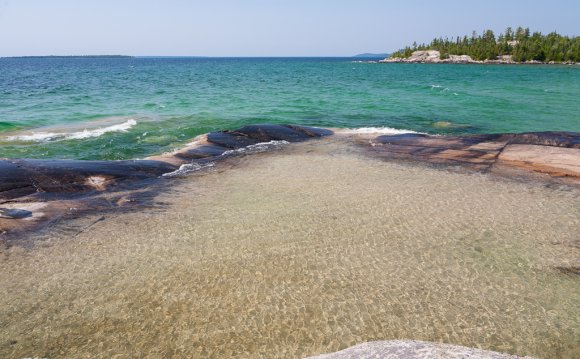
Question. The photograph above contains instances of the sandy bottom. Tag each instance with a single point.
(299, 252)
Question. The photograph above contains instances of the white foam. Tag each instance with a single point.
(258, 147)
(380, 130)
(188, 168)
(86, 133)
(35, 137)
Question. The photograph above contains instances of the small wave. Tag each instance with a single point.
(188, 168)
(258, 147)
(381, 130)
(86, 133)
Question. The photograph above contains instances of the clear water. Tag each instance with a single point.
(302, 251)
(173, 100)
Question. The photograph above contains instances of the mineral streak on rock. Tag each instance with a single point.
(411, 349)
(553, 153)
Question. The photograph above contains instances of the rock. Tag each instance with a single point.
(10, 213)
(558, 139)
(460, 59)
(267, 133)
(411, 349)
(425, 56)
(24, 177)
(203, 151)
(433, 57)
(556, 161)
(14, 181)
(253, 134)
(553, 153)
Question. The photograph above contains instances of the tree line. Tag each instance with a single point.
(520, 44)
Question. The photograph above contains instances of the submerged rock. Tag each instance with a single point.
(10, 213)
(411, 349)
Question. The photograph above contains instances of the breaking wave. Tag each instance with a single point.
(188, 168)
(258, 147)
(379, 130)
(86, 133)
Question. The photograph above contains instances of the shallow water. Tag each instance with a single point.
(302, 251)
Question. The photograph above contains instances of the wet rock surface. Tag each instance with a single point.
(65, 176)
(11, 213)
(410, 349)
(554, 153)
(253, 134)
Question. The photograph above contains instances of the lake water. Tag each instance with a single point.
(89, 108)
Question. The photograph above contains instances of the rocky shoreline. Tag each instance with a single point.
(37, 192)
(434, 57)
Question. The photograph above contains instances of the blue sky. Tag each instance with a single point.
(259, 27)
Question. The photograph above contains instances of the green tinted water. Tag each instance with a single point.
(173, 100)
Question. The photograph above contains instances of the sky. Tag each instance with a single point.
(260, 27)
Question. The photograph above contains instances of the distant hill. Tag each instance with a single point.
(373, 56)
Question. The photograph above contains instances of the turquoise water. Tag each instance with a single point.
(135, 107)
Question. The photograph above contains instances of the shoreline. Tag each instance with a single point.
(34, 193)
(470, 62)
(434, 57)
(473, 62)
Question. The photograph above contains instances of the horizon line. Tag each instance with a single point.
(199, 56)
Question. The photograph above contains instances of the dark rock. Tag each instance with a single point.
(557, 139)
(231, 139)
(21, 177)
(203, 151)
(250, 135)
(14, 181)
(312, 131)
(11, 213)
(267, 133)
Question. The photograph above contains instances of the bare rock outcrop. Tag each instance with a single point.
(413, 349)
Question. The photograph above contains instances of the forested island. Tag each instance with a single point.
(519, 46)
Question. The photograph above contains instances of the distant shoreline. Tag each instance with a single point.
(434, 57)
(68, 57)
